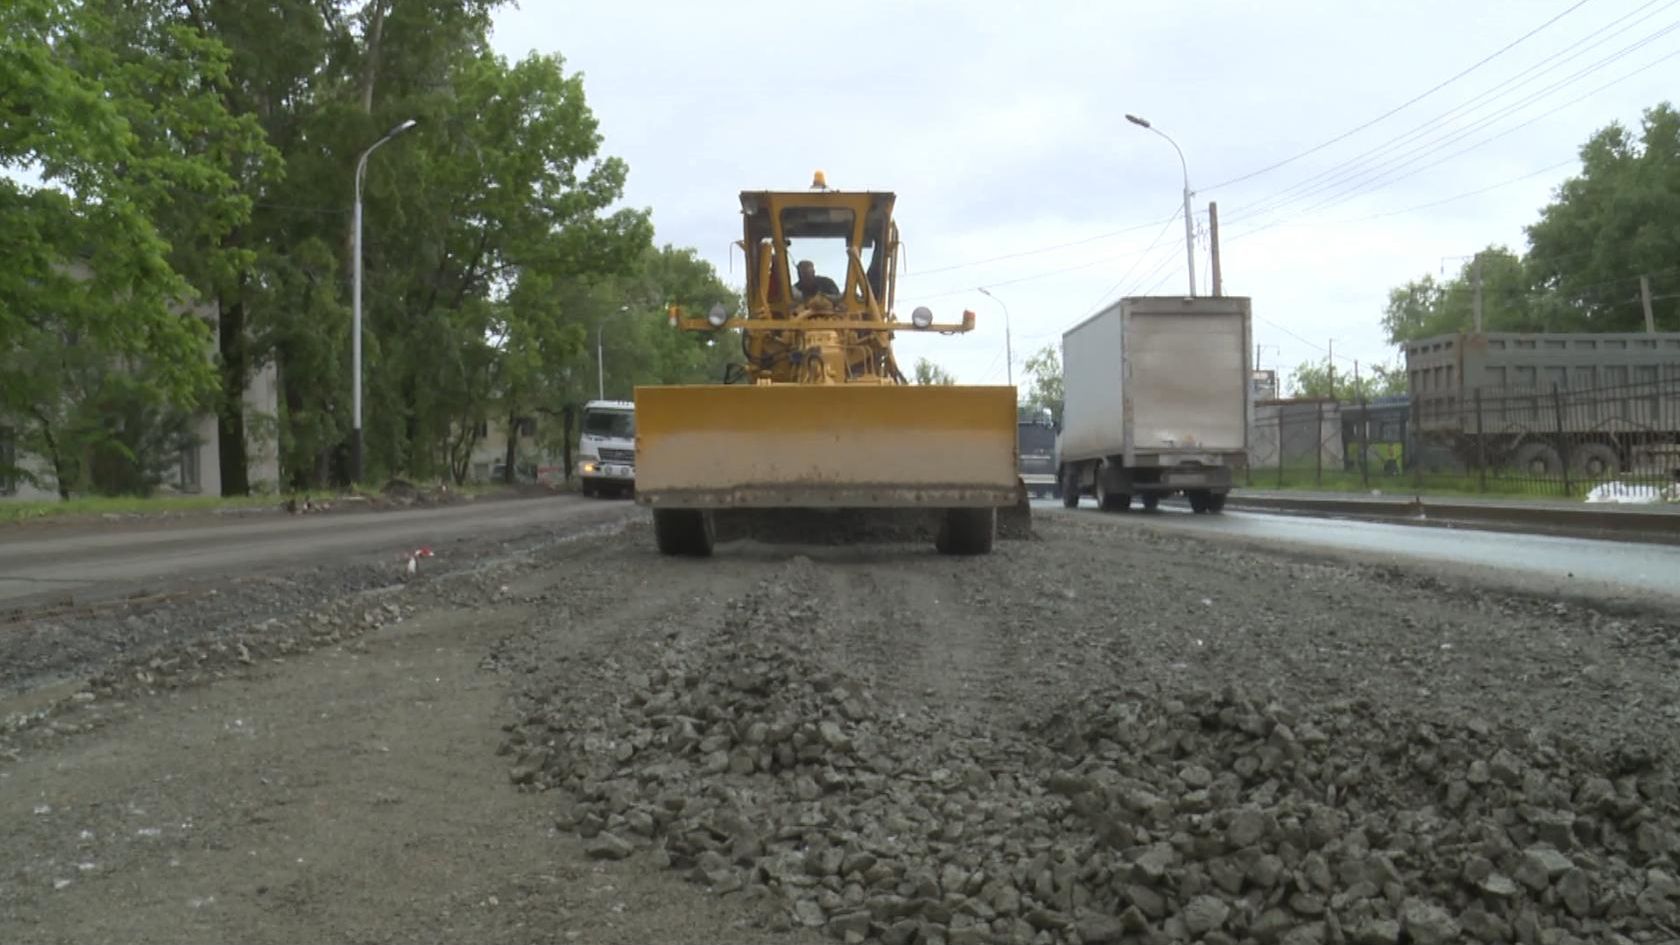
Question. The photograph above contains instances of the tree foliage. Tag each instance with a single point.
(1617, 220)
(207, 149)
(929, 373)
(117, 112)
(1315, 379)
(1045, 392)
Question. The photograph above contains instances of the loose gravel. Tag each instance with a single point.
(779, 756)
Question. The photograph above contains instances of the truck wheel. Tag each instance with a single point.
(686, 532)
(1537, 459)
(1151, 501)
(1216, 503)
(967, 532)
(1594, 460)
(587, 488)
(1200, 500)
(1111, 501)
(1070, 487)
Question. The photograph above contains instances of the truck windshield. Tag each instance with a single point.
(1036, 438)
(609, 423)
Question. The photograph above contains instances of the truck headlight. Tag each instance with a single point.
(922, 316)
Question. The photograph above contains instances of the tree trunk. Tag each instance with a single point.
(512, 447)
(567, 413)
(376, 28)
(230, 439)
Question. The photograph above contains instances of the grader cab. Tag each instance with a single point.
(817, 430)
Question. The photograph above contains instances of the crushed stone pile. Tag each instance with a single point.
(755, 762)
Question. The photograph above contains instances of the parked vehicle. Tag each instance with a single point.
(606, 461)
(1156, 399)
(1598, 404)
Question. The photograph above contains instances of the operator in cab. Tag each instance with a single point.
(809, 285)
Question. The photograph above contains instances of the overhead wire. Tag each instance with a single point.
(1402, 106)
(1341, 169)
(1387, 173)
(1461, 151)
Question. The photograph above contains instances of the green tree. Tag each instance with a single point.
(1045, 393)
(1617, 220)
(1314, 379)
(118, 112)
(928, 372)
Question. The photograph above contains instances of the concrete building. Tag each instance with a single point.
(198, 471)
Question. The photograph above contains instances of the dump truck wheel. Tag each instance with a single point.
(685, 532)
(967, 532)
(1070, 487)
(1150, 500)
(1216, 503)
(1200, 500)
(1595, 460)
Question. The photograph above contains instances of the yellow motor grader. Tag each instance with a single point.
(817, 430)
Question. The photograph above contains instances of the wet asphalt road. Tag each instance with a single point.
(1540, 562)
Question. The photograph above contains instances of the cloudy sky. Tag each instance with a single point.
(1001, 127)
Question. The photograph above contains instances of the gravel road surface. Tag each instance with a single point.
(1121, 731)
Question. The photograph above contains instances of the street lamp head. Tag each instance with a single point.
(1137, 121)
(410, 123)
(984, 291)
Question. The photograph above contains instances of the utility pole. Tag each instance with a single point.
(1213, 247)
(1645, 297)
(1478, 302)
(1330, 362)
(356, 468)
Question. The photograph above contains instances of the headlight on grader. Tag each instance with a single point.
(922, 316)
(717, 316)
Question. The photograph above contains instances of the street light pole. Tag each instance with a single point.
(1008, 346)
(1189, 222)
(356, 306)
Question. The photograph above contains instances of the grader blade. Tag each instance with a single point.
(860, 462)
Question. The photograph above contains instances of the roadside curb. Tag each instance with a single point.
(1617, 524)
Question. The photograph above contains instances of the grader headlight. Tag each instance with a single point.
(922, 316)
(717, 316)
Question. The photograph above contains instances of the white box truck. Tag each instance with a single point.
(1155, 402)
(606, 460)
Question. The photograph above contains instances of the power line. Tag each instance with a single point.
(922, 297)
(1485, 141)
(1401, 107)
(1034, 252)
(1367, 180)
(1360, 165)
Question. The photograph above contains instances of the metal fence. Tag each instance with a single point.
(1555, 442)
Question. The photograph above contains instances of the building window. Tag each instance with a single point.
(192, 476)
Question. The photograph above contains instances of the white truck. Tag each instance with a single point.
(606, 459)
(1155, 402)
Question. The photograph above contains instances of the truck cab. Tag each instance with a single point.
(1035, 447)
(606, 462)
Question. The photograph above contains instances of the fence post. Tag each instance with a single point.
(1318, 448)
(1563, 442)
(1280, 447)
(1481, 446)
(1363, 439)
